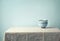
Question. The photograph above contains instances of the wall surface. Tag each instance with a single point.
(27, 13)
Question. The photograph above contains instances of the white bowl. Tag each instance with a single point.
(43, 23)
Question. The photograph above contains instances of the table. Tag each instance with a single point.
(32, 34)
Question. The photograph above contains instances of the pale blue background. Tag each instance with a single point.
(27, 13)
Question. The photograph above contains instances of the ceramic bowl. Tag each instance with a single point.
(43, 23)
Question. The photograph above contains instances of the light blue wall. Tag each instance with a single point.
(27, 13)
